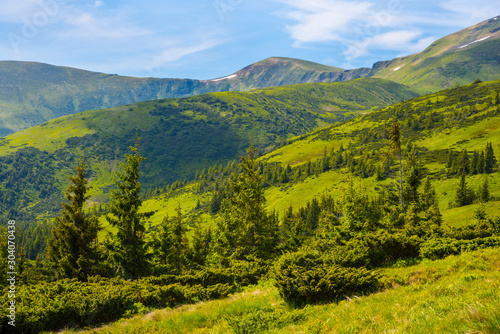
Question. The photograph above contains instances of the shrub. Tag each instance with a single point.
(70, 303)
(439, 248)
(308, 277)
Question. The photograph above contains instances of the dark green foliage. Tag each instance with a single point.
(490, 160)
(376, 249)
(395, 140)
(244, 229)
(258, 321)
(29, 176)
(480, 162)
(442, 247)
(464, 195)
(72, 251)
(127, 248)
(69, 303)
(200, 247)
(484, 191)
(303, 279)
(170, 245)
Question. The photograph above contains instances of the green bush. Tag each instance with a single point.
(70, 303)
(376, 249)
(439, 248)
(309, 277)
(261, 320)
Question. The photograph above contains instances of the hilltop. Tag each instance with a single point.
(32, 93)
(179, 136)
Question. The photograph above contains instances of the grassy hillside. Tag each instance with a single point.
(32, 93)
(456, 295)
(179, 137)
(456, 59)
(463, 118)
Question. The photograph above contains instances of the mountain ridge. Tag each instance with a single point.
(32, 93)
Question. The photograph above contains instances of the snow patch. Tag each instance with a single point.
(397, 68)
(224, 78)
(479, 40)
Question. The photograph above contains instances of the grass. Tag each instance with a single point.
(459, 294)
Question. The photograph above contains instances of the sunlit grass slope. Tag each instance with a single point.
(178, 137)
(436, 123)
(459, 294)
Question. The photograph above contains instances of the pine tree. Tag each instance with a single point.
(170, 244)
(72, 252)
(200, 246)
(490, 160)
(480, 163)
(484, 191)
(127, 248)
(395, 140)
(463, 167)
(464, 194)
(413, 178)
(244, 230)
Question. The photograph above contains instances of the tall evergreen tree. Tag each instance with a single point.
(200, 246)
(170, 245)
(395, 140)
(127, 248)
(490, 160)
(484, 191)
(464, 194)
(72, 251)
(244, 229)
(413, 178)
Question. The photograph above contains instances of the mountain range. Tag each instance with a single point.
(32, 93)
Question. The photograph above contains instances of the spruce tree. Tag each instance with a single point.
(72, 251)
(198, 251)
(484, 191)
(490, 160)
(464, 194)
(413, 178)
(127, 248)
(395, 140)
(170, 244)
(244, 230)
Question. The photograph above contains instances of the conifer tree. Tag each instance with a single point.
(464, 194)
(395, 140)
(170, 244)
(200, 246)
(127, 248)
(72, 252)
(484, 191)
(489, 159)
(413, 178)
(244, 229)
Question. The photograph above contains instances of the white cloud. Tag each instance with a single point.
(87, 25)
(406, 41)
(98, 4)
(472, 12)
(322, 20)
(176, 52)
(15, 10)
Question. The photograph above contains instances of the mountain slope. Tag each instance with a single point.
(179, 136)
(459, 58)
(463, 118)
(31, 93)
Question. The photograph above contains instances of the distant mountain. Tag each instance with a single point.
(179, 136)
(457, 59)
(32, 93)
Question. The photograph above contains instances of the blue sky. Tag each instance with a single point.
(204, 39)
